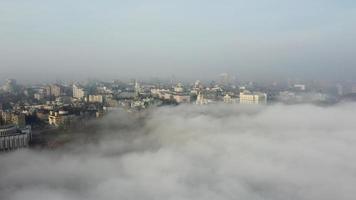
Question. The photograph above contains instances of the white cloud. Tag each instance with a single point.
(189, 152)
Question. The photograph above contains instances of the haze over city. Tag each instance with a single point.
(177, 100)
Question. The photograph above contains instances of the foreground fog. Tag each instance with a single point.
(190, 152)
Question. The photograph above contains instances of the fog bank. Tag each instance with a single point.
(278, 152)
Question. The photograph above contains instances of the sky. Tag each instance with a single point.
(201, 152)
(43, 40)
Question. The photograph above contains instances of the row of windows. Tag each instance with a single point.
(13, 142)
(7, 132)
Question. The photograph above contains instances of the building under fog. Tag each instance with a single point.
(178, 94)
(61, 118)
(11, 137)
(229, 100)
(10, 85)
(247, 97)
(95, 99)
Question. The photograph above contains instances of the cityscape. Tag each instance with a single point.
(30, 112)
(177, 100)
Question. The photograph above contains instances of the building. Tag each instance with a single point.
(111, 102)
(18, 119)
(99, 114)
(39, 96)
(353, 89)
(12, 137)
(78, 92)
(228, 99)
(96, 99)
(339, 89)
(60, 118)
(225, 79)
(181, 98)
(13, 118)
(160, 93)
(178, 94)
(247, 97)
(56, 90)
(64, 100)
(10, 85)
(201, 100)
(138, 88)
(179, 88)
(300, 87)
(198, 85)
(6, 117)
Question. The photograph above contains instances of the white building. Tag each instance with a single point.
(78, 92)
(247, 97)
(138, 88)
(179, 88)
(201, 100)
(177, 95)
(96, 99)
(300, 87)
(38, 96)
(228, 99)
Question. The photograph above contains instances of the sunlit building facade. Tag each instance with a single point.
(247, 97)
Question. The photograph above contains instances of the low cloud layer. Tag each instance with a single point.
(278, 152)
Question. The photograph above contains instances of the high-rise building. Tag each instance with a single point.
(340, 89)
(201, 100)
(78, 92)
(225, 79)
(56, 90)
(137, 88)
(47, 91)
(10, 85)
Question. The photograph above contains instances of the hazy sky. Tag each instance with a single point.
(49, 39)
(219, 152)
